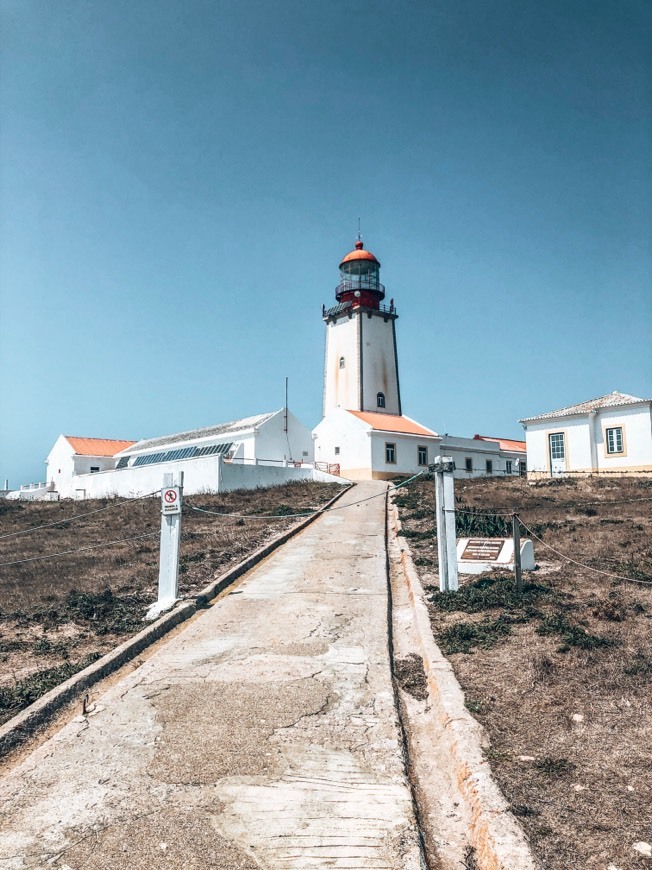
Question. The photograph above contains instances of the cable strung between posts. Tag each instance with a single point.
(581, 564)
(474, 513)
(79, 549)
(507, 512)
(79, 516)
(305, 513)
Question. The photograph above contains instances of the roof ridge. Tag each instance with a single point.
(97, 438)
(204, 431)
(585, 407)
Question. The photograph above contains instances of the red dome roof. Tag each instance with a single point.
(359, 254)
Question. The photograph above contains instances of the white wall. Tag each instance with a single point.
(200, 475)
(406, 453)
(379, 374)
(240, 476)
(272, 442)
(352, 436)
(342, 385)
(60, 466)
(205, 474)
(637, 432)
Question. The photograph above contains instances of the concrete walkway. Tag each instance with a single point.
(264, 735)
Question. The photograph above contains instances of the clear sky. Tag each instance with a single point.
(180, 179)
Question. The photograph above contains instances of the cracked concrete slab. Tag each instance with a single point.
(264, 735)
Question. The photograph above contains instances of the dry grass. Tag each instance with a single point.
(563, 675)
(57, 615)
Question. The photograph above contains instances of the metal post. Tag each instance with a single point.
(445, 514)
(516, 534)
(168, 575)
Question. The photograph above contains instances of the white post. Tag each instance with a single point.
(445, 510)
(168, 575)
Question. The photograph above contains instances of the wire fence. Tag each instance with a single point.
(129, 501)
(498, 514)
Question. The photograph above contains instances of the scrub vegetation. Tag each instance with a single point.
(561, 675)
(59, 615)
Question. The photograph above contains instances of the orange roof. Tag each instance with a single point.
(359, 254)
(392, 423)
(97, 446)
(503, 443)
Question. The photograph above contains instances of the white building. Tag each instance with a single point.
(612, 433)
(256, 451)
(483, 456)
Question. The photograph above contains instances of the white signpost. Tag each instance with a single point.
(168, 576)
(445, 509)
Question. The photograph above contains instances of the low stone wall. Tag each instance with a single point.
(498, 840)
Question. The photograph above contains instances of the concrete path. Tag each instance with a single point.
(264, 735)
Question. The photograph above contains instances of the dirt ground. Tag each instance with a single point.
(560, 676)
(58, 615)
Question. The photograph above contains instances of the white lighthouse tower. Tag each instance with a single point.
(363, 429)
(361, 372)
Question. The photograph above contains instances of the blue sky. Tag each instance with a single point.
(180, 179)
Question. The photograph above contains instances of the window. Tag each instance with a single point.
(94, 468)
(615, 440)
(337, 451)
(390, 453)
(422, 455)
(342, 363)
(522, 466)
(508, 466)
(490, 466)
(380, 400)
(468, 463)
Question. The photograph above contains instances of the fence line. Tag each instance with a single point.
(78, 550)
(78, 516)
(581, 564)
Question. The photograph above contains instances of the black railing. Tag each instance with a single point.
(347, 306)
(353, 284)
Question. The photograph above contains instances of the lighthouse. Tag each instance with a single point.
(364, 430)
(361, 366)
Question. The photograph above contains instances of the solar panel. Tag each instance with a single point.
(149, 459)
(179, 453)
(212, 449)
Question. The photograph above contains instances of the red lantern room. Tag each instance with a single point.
(359, 282)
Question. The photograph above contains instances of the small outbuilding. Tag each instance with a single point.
(610, 434)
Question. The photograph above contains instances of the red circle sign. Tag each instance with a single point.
(170, 496)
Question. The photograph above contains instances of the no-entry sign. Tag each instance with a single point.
(171, 500)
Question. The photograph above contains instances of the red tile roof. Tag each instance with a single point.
(392, 423)
(97, 446)
(503, 443)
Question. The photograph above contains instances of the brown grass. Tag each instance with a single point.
(58, 614)
(564, 675)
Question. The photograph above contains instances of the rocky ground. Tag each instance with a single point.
(561, 675)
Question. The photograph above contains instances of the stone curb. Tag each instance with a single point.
(24, 724)
(499, 841)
